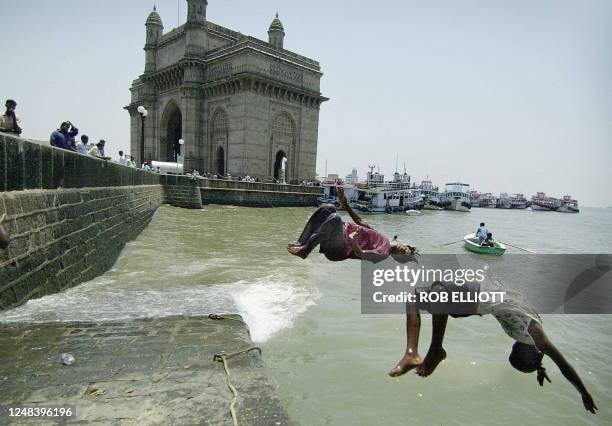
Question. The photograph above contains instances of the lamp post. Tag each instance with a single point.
(143, 114)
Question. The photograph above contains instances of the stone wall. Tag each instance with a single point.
(181, 191)
(258, 194)
(68, 216)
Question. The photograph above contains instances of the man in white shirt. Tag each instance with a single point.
(122, 158)
(9, 122)
(82, 146)
(95, 151)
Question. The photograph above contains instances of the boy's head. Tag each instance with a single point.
(482, 224)
(402, 252)
(525, 358)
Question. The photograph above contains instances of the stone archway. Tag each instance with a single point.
(171, 132)
(278, 166)
(284, 138)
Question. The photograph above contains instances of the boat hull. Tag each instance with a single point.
(566, 209)
(541, 208)
(458, 206)
(471, 244)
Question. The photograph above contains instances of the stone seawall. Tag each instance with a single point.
(258, 194)
(68, 216)
(181, 191)
(61, 238)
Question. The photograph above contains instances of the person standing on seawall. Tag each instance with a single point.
(61, 137)
(9, 122)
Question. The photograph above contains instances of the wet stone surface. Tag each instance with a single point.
(151, 371)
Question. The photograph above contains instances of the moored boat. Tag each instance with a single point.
(542, 202)
(518, 201)
(568, 205)
(457, 195)
(472, 244)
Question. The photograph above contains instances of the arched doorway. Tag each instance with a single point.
(283, 140)
(278, 166)
(171, 132)
(220, 169)
(220, 141)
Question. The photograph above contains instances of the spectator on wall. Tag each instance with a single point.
(4, 236)
(61, 137)
(96, 151)
(102, 144)
(122, 158)
(9, 122)
(82, 146)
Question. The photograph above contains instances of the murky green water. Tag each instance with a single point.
(331, 361)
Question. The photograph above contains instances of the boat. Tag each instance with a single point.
(376, 195)
(457, 196)
(475, 198)
(504, 201)
(330, 194)
(542, 202)
(431, 196)
(413, 212)
(518, 201)
(568, 205)
(472, 244)
(488, 201)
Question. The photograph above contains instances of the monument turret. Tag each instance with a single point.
(276, 33)
(154, 28)
(195, 28)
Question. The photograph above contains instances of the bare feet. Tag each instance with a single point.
(432, 359)
(296, 250)
(407, 363)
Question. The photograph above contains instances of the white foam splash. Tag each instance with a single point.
(272, 304)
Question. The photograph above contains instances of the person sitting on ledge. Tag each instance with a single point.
(4, 236)
(340, 240)
(9, 121)
(515, 314)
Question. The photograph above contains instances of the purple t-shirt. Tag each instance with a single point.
(370, 241)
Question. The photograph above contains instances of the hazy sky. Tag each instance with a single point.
(509, 96)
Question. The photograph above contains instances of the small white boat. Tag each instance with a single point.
(413, 212)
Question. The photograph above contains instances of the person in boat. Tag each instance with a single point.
(517, 317)
(4, 236)
(339, 240)
(489, 241)
(481, 233)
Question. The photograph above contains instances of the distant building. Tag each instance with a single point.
(352, 178)
(240, 104)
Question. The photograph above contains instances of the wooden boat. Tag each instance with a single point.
(471, 244)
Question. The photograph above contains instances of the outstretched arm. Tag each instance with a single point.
(545, 345)
(345, 205)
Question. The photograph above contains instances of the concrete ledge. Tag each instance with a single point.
(149, 371)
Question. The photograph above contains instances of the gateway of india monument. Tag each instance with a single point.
(237, 104)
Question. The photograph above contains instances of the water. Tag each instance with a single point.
(329, 360)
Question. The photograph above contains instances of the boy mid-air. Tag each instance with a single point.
(516, 316)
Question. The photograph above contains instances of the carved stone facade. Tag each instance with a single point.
(240, 104)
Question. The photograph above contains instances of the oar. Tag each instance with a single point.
(454, 242)
(520, 248)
